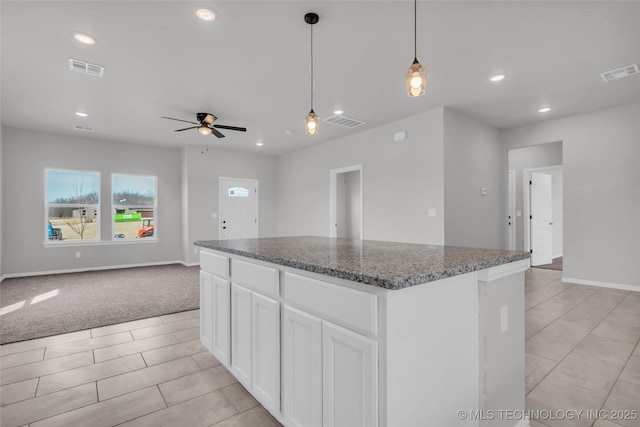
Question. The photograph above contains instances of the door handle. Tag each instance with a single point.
(224, 227)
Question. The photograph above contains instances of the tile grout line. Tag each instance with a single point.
(572, 350)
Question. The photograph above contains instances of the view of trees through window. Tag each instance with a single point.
(72, 205)
(134, 204)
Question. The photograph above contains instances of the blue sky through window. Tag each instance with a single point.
(69, 185)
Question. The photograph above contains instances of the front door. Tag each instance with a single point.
(541, 219)
(238, 208)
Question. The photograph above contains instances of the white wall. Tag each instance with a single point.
(201, 174)
(601, 178)
(1, 203)
(535, 157)
(401, 181)
(27, 153)
(473, 157)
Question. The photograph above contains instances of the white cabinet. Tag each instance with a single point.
(255, 344)
(266, 350)
(302, 364)
(241, 334)
(206, 311)
(330, 374)
(349, 378)
(221, 318)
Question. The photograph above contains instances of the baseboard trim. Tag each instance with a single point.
(98, 268)
(189, 264)
(622, 286)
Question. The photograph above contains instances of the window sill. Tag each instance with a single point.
(71, 243)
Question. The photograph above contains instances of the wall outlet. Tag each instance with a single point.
(483, 191)
(78, 254)
(432, 212)
(504, 319)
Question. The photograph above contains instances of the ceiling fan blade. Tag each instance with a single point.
(216, 133)
(179, 120)
(180, 130)
(230, 128)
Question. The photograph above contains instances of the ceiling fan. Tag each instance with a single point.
(205, 125)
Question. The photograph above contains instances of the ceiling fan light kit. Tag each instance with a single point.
(312, 119)
(416, 75)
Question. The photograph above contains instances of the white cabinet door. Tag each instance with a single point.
(349, 378)
(302, 364)
(241, 334)
(206, 310)
(266, 350)
(221, 346)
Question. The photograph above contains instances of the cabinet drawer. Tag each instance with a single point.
(214, 264)
(352, 308)
(256, 277)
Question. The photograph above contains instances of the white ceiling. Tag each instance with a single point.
(250, 67)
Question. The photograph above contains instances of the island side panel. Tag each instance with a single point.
(501, 350)
(430, 353)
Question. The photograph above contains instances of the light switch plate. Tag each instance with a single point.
(432, 212)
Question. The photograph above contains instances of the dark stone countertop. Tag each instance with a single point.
(388, 265)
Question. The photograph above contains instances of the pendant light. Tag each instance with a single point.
(416, 75)
(312, 119)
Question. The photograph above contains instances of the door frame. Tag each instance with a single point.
(512, 229)
(526, 201)
(251, 180)
(333, 198)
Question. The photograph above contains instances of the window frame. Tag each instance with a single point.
(96, 207)
(148, 239)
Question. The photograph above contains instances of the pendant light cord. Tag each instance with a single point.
(311, 66)
(415, 29)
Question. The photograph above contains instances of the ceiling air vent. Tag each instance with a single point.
(86, 68)
(83, 128)
(344, 121)
(627, 71)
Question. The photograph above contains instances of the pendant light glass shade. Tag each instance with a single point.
(204, 130)
(311, 123)
(416, 77)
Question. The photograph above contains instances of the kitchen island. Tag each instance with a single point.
(344, 332)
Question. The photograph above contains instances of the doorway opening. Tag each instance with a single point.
(346, 202)
(521, 213)
(238, 206)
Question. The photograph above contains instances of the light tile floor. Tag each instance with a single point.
(582, 352)
(151, 372)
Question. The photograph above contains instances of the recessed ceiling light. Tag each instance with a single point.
(497, 77)
(205, 14)
(544, 109)
(81, 114)
(338, 112)
(84, 38)
(259, 144)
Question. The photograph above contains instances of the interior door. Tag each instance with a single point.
(238, 208)
(541, 219)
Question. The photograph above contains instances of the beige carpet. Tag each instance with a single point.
(40, 306)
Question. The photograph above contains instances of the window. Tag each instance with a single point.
(238, 192)
(134, 205)
(72, 205)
